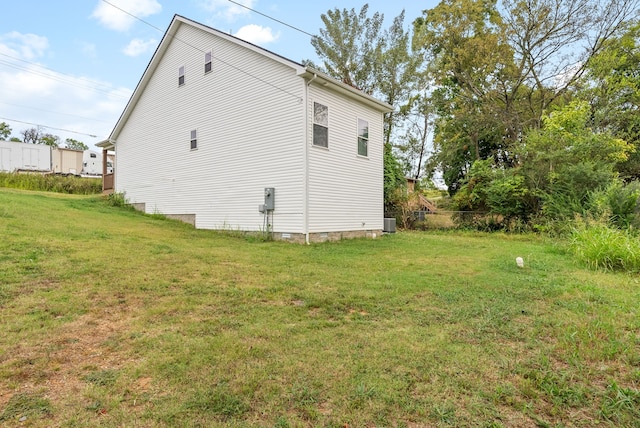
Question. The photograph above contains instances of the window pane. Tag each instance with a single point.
(320, 114)
(363, 128)
(194, 134)
(181, 75)
(207, 62)
(362, 146)
(363, 137)
(320, 136)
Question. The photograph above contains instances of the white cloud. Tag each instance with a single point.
(256, 34)
(115, 19)
(25, 46)
(76, 103)
(227, 10)
(138, 47)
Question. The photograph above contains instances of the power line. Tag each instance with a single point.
(272, 18)
(94, 82)
(49, 127)
(133, 16)
(60, 79)
(55, 112)
(203, 51)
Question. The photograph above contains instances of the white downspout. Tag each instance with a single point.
(306, 159)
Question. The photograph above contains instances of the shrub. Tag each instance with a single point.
(117, 200)
(603, 247)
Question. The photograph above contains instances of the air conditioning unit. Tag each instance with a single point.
(389, 225)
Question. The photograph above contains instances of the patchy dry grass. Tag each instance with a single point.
(113, 318)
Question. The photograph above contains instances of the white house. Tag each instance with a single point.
(227, 135)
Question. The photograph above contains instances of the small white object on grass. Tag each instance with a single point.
(520, 262)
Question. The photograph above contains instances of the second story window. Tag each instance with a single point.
(320, 125)
(363, 137)
(207, 62)
(181, 76)
(194, 139)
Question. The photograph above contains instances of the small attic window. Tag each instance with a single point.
(207, 62)
(181, 76)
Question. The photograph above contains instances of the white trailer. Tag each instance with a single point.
(91, 163)
(16, 156)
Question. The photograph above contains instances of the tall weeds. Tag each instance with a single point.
(602, 247)
(51, 183)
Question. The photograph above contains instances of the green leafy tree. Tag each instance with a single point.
(500, 68)
(50, 140)
(561, 165)
(5, 130)
(565, 160)
(70, 143)
(394, 182)
(612, 86)
(469, 62)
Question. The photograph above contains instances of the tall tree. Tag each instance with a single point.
(349, 45)
(413, 144)
(501, 67)
(31, 135)
(554, 40)
(612, 87)
(470, 64)
(397, 73)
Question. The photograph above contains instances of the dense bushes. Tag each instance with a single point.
(51, 183)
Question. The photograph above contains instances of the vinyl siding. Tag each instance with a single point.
(250, 136)
(345, 190)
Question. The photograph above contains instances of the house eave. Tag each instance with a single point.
(322, 79)
(107, 144)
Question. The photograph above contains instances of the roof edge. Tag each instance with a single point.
(324, 79)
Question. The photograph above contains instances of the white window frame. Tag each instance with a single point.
(193, 140)
(363, 138)
(208, 62)
(320, 122)
(181, 74)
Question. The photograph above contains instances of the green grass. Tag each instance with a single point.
(114, 318)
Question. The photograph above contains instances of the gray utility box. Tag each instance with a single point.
(389, 225)
(269, 198)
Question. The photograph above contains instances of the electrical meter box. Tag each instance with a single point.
(269, 198)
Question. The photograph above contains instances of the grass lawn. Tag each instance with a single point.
(112, 318)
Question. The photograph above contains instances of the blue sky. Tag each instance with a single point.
(73, 64)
